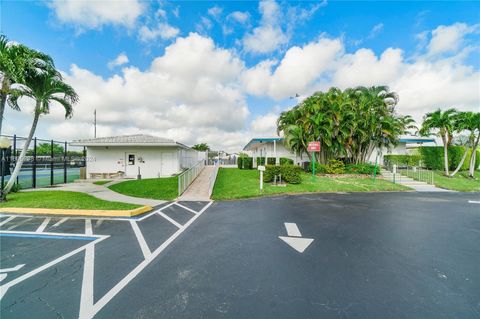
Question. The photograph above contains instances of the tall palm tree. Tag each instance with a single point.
(443, 124)
(44, 88)
(16, 61)
(475, 135)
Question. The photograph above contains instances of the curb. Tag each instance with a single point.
(77, 212)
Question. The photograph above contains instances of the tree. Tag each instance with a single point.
(201, 147)
(348, 124)
(44, 88)
(45, 149)
(443, 124)
(474, 130)
(16, 61)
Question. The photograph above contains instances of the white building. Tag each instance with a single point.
(275, 147)
(130, 154)
(271, 147)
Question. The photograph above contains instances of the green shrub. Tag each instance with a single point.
(410, 160)
(319, 168)
(365, 168)
(271, 161)
(335, 167)
(245, 162)
(432, 157)
(260, 161)
(286, 161)
(290, 173)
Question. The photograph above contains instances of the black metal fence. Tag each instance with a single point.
(47, 162)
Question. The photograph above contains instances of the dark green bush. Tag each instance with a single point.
(290, 173)
(245, 162)
(410, 160)
(319, 168)
(365, 168)
(271, 161)
(432, 157)
(285, 161)
(335, 167)
(260, 161)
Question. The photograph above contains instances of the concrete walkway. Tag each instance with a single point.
(410, 182)
(198, 190)
(101, 192)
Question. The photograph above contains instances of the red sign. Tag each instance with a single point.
(313, 146)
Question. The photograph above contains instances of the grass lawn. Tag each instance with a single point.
(155, 188)
(61, 199)
(234, 183)
(102, 182)
(460, 182)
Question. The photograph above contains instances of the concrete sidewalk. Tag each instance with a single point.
(198, 190)
(101, 192)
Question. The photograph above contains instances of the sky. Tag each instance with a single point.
(220, 72)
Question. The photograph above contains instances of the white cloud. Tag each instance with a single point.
(240, 17)
(162, 30)
(190, 93)
(215, 11)
(86, 14)
(298, 70)
(269, 35)
(264, 125)
(450, 38)
(121, 59)
(375, 30)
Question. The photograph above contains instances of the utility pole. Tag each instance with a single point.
(95, 123)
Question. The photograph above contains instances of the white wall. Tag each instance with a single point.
(400, 149)
(260, 149)
(157, 161)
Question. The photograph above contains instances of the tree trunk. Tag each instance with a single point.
(445, 153)
(471, 169)
(3, 100)
(461, 162)
(21, 158)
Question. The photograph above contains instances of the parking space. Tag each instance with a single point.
(375, 255)
(89, 260)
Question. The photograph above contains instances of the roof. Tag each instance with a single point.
(258, 140)
(415, 139)
(128, 140)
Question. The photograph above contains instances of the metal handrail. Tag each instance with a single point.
(416, 173)
(212, 179)
(187, 177)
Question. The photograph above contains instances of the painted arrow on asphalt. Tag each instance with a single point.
(295, 239)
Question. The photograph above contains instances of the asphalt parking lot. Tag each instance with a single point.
(375, 255)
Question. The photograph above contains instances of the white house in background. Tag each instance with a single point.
(127, 155)
(275, 147)
(271, 147)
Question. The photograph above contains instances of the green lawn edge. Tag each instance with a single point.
(62, 200)
(152, 188)
(233, 183)
(460, 182)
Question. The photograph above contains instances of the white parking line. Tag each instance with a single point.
(169, 219)
(185, 207)
(86, 297)
(126, 280)
(44, 224)
(141, 240)
(61, 221)
(88, 227)
(7, 220)
(20, 223)
(474, 202)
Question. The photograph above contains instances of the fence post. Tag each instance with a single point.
(34, 164)
(65, 164)
(15, 152)
(52, 163)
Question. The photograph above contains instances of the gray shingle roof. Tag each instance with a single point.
(137, 139)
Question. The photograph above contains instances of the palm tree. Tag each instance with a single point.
(443, 123)
(474, 130)
(463, 121)
(16, 61)
(44, 88)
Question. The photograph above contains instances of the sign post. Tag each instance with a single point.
(261, 169)
(313, 147)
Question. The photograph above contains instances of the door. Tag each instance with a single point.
(131, 166)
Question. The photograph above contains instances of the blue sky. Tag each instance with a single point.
(221, 71)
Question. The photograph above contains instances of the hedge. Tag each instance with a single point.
(245, 162)
(365, 168)
(290, 173)
(410, 160)
(432, 157)
(286, 161)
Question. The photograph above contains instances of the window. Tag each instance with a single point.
(131, 159)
